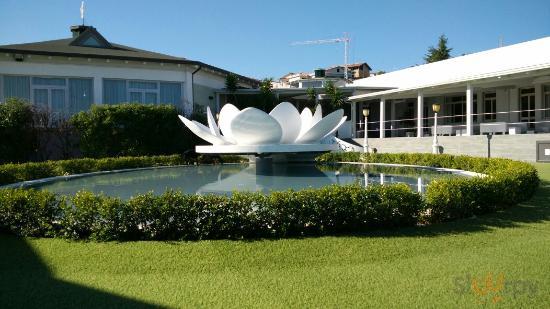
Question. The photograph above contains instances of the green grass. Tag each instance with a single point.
(416, 267)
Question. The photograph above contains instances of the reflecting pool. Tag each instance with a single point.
(224, 179)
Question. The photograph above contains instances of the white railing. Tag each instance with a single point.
(391, 122)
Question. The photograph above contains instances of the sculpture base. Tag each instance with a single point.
(265, 149)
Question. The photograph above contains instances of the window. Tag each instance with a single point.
(457, 109)
(150, 92)
(527, 105)
(114, 91)
(92, 42)
(17, 87)
(312, 84)
(143, 91)
(489, 106)
(62, 96)
(547, 102)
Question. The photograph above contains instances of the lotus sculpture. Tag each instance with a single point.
(251, 130)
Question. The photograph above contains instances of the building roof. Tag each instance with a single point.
(517, 58)
(350, 65)
(99, 47)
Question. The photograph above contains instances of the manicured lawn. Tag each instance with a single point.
(417, 267)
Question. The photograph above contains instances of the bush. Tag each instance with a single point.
(17, 132)
(508, 183)
(177, 216)
(12, 173)
(29, 212)
(132, 130)
(324, 211)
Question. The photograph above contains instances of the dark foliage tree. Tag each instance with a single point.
(441, 52)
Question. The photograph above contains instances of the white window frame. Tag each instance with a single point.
(49, 88)
(143, 91)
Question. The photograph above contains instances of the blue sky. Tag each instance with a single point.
(253, 37)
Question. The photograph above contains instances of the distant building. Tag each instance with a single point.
(319, 78)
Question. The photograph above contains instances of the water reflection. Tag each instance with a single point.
(224, 179)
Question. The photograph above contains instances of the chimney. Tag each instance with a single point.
(78, 30)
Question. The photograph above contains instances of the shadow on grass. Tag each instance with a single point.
(26, 282)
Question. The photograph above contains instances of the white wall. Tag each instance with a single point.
(102, 68)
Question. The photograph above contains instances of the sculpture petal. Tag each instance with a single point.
(336, 127)
(252, 126)
(307, 118)
(202, 131)
(318, 115)
(227, 113)
(321, 128)
(289, 119)
(212, 122)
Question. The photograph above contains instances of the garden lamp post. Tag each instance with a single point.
(365, 140)
(435, 146)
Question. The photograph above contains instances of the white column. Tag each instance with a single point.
(382, 118)
(469, 109)
(392, 118)
(420, 114)
(353, 119)
(479, 110)
(538, 102)
(98, 90)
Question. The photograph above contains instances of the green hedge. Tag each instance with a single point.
(132, 130)
(508, 183)
(177, 216)
(12, 173)
(18, 138)
(328, 210)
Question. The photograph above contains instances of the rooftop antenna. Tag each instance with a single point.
(345, 39)
(500, 41)
(82, 12)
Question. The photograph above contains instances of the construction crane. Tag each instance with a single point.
(345, 39)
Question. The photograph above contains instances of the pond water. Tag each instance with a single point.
(224, 179)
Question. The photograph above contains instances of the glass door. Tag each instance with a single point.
(527, 106)
(51, 100)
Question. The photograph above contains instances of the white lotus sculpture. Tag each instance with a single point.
(251, 130)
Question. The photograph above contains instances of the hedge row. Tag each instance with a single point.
(177, 216)
(329, 210)
(132, 129)
(12, 173)
(508, 183)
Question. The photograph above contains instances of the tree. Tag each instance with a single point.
(311, 95)
(231, 84)
(336, 96)
(441, 52)
(266, 93)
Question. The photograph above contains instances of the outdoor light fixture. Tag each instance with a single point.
(365, 140)
(435, 146)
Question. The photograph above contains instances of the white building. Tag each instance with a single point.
(69, 75)
(504, 91)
